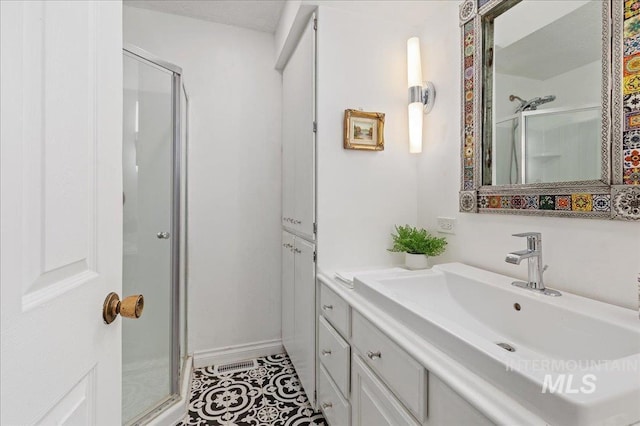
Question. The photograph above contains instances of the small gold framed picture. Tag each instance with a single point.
(363, 130)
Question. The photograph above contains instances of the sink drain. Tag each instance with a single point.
(506, 347)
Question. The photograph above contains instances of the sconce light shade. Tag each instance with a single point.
(416, 112)
(421, 95)
(414, 63)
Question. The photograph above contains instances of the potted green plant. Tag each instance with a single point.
(418, 245)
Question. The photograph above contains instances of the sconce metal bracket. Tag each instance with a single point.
(425, 94)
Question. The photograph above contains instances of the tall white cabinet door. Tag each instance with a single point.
(288, 301)
(288, 149)
(304, 187)
(304, 313)
(60, 211)
(298, 81)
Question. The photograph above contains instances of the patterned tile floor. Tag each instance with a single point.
(269, 395)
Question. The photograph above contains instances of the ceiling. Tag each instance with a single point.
(260, 15)
(572, 41)
(263, 15)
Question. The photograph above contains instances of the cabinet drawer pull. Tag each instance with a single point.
(326, 352)
(326, 405)
(327, 307)
(374, 355)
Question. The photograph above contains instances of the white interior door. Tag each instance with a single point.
(61, 211)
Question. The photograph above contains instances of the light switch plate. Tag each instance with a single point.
(447, 225)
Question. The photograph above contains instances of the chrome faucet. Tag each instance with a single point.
(533, 254)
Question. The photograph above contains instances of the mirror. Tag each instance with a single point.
(542, 103)
(550, 108)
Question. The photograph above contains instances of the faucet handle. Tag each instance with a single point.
(528, 234)
(534, 240)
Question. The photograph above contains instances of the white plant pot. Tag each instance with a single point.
(416, 261)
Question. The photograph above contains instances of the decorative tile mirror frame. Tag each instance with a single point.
(617, 194)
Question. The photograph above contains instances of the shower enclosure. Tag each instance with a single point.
(154, 207)
(547, 145)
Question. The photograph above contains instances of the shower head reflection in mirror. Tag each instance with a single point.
(524, 105)
(532, 104)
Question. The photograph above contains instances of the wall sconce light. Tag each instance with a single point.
(422, 94)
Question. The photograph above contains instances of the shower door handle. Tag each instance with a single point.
(163, 235)
(130, 307)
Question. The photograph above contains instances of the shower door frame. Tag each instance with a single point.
(177, 86)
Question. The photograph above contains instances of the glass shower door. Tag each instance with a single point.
(147, 344)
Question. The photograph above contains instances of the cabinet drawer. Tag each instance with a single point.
(406, 378)
(335, 408)
(334, 354)
(371, 401)
(335, 310)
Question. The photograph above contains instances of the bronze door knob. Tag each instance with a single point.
(130, 307)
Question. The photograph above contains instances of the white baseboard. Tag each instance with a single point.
(176, 412)
(237, 353)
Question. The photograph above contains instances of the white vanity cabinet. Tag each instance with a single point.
(334, 355)
(336, 311)
(367, 379)
(373, 403)
(334, 405)
(404, 376)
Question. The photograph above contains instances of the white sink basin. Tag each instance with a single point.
(467, 311)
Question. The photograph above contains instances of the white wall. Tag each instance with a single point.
(234, 173)
(362, 194)
(594, 258)
(569, 87)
